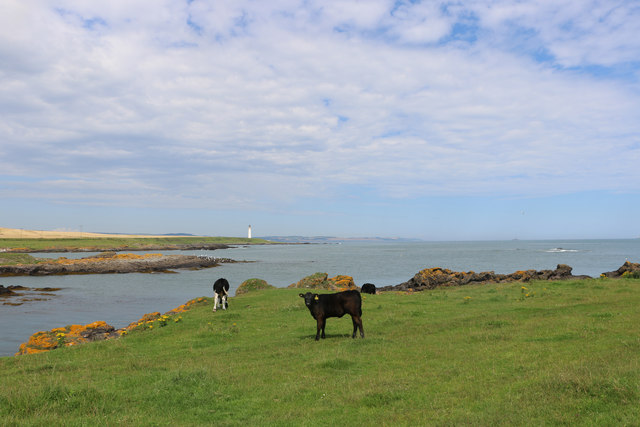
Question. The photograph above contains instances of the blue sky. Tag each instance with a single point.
(442, 120)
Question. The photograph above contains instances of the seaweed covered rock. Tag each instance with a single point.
(6, 291)
(251, 285)
(322, 281)
(18, 295)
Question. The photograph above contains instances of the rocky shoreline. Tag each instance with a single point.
(431, 278)
(72, 335)
(110, 263)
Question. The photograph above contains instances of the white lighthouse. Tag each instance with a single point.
(249, 232)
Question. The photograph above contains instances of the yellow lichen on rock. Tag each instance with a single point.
(38, 343)
(97, 259)
(98, 324)
(67, 336)
(322, 281)
(149, 318)
(342, 283)
(186, 306)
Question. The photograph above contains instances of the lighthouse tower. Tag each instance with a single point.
(249, 233)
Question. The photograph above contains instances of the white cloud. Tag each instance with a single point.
(213, 103)
(576, 33)
(420, 22)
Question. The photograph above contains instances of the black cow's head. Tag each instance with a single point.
(309, 298)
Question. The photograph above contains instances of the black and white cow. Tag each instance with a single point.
(368, 288)
(220, 292)
(322, 306)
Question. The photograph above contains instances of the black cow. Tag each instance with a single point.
(220, 292)
(335, 305)
(368, 288)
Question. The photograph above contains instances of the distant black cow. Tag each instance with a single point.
(220, 292)
(368, 288)
(335, 305)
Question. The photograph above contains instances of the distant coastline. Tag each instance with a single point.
(333, 239)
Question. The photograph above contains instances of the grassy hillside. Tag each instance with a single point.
(560, 353)
(125, 243)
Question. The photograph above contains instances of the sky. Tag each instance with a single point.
(437, 120)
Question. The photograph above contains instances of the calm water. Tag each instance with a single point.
(119, 299)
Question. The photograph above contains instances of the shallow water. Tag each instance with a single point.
(120, 299)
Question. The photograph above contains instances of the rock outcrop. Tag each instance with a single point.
(6, 291)
(322, 281)
(112, 263)
(67, 336)
(251, 285)
(628, 269)
(18, 295)
(431, 278)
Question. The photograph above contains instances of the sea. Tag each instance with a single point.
(120, 299)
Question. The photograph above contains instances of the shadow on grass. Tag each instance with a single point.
(328, 337)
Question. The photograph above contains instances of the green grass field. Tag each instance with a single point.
(555, 353)
(120, 242)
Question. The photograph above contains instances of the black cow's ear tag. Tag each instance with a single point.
(317, 298)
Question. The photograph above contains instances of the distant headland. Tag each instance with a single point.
(333, 239)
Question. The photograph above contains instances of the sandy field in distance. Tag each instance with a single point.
(16, 233)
